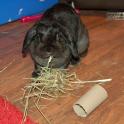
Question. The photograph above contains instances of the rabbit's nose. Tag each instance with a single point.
(48, 52)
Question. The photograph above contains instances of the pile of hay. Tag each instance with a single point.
(52, 84)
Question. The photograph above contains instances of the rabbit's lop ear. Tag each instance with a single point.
(69, 39)
(74, 51)
(71, 44)
(28, 39)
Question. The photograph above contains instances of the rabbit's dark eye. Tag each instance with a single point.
(40, 36)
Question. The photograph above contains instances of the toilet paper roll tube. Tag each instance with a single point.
(89, 101)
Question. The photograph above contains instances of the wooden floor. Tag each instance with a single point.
(104, 60)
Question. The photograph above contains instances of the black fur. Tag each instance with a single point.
(60, 34)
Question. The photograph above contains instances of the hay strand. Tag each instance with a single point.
(3, 69)
(42, 114)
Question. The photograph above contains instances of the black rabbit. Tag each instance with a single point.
(60, 34)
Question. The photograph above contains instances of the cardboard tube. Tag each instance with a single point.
(89, 101)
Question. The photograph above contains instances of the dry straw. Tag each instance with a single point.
(51, 84)
(3, 69)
